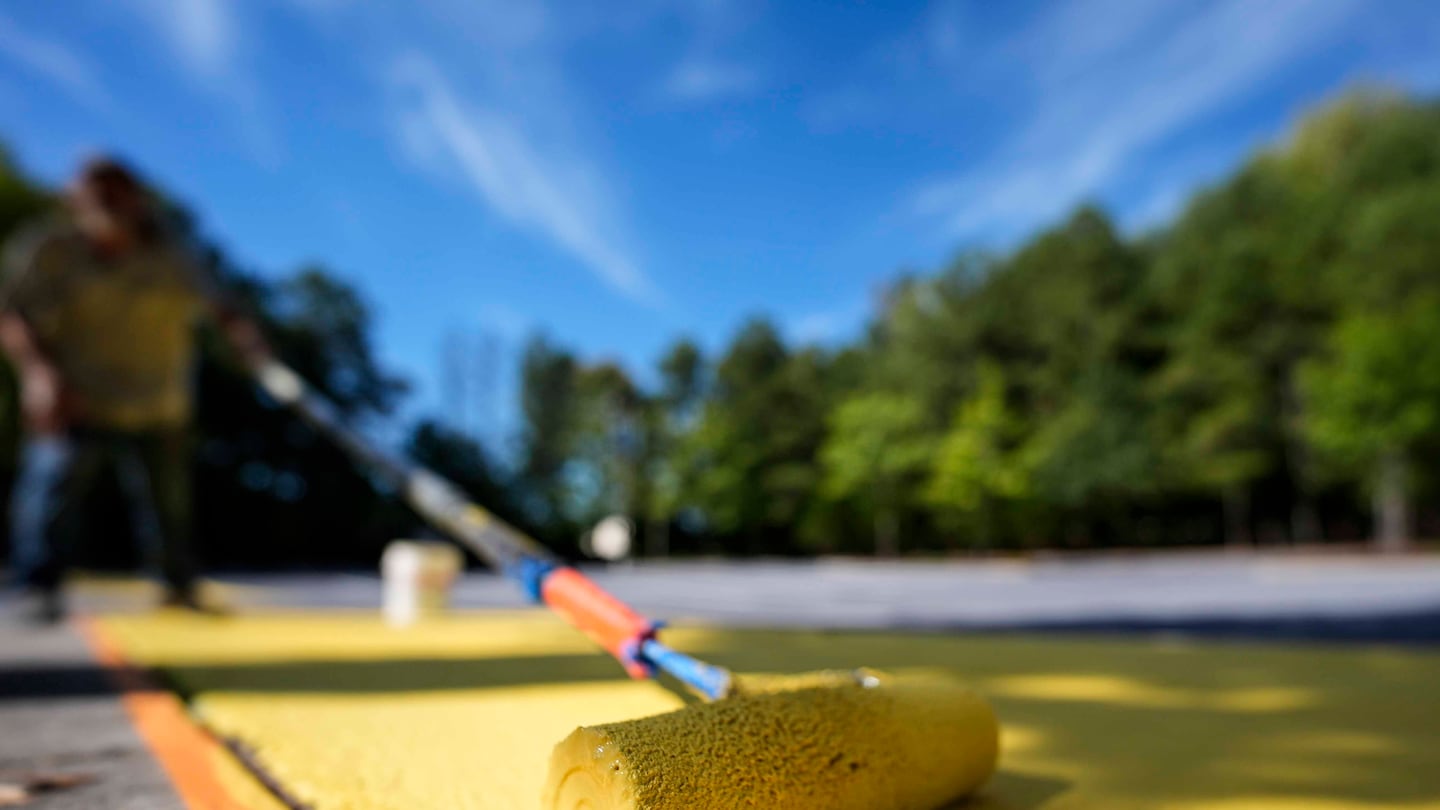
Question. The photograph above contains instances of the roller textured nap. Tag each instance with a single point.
(816, 741)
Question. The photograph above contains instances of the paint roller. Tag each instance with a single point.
(835, 740)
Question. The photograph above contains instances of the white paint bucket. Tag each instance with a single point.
(416, 577)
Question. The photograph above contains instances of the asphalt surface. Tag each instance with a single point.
(1272, 597)
(60, 717)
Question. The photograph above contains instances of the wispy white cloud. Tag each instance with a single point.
(1159, 207)
(830, 325)
(203, 33)
(553, 194)
(708, 80)
(945, 33)
(708, 69)
(506, 322)
(1111, 81)
(53, 62)
(817, 327)
(205, 39)
(1078, 37)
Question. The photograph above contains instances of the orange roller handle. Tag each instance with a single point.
(606, 620)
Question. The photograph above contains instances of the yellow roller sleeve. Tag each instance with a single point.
(823, 740)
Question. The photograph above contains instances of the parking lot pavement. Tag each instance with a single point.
(1272, 597)
(63, 723)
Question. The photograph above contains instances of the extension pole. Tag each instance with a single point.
(627, 635)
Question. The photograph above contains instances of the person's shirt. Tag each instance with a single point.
(121, 332)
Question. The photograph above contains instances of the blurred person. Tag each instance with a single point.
(98, 315)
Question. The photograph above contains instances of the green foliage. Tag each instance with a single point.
(682, 378)
(672, 469)
(1096, 448)
(1237, 369)
(548, 405)
(20, 199)
(321, 326)
(755, 443)
(1377, 388)
(877, 454)
(878, 448)
(269, 490)
(610, 446)
(979, 460)
(464, 462)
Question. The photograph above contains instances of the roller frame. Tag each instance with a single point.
(542, 576)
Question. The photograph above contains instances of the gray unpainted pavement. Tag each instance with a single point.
(1300, 597)
(57, 713)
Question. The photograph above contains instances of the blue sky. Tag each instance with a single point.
(618, 174)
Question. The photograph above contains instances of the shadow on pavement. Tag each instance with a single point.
(1416, 627)
(392, 674)
(1013, 790)
(31, 681)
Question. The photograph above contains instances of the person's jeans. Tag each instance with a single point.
(58, 475)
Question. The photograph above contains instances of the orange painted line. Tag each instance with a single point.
(185, 751)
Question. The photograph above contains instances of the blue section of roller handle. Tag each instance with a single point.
(707, 679)
(529, 573)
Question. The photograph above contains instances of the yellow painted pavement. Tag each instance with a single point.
(463, 712)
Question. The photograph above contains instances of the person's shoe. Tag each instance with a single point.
(41, 607)
(191, 601)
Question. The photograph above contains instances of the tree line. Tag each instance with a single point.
(1264, 368)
